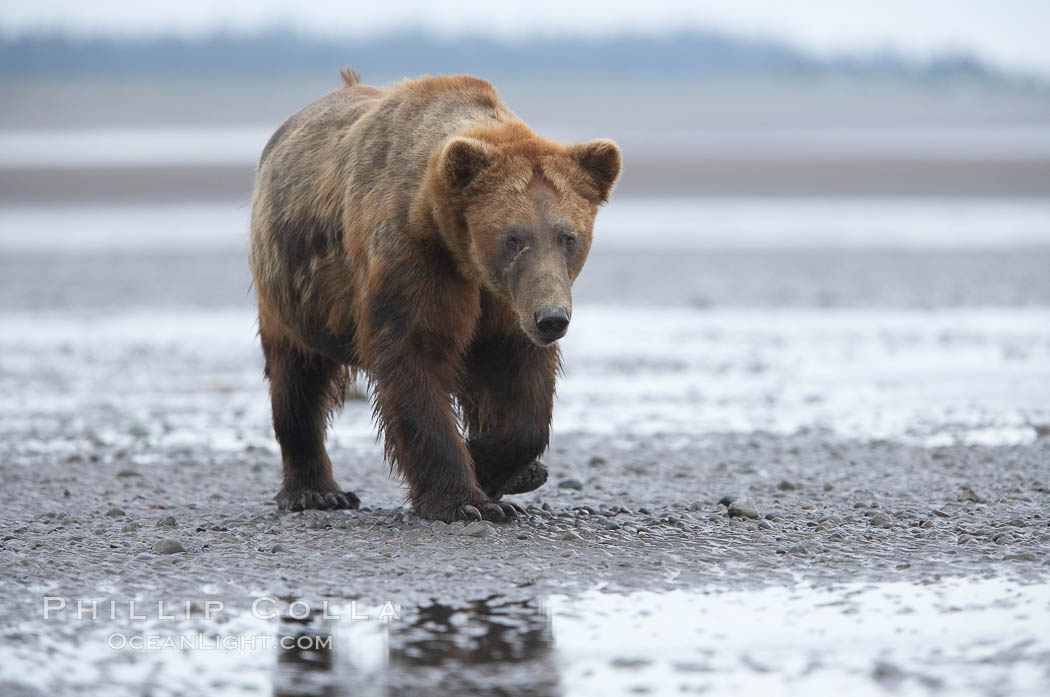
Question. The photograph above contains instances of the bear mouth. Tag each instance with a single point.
(544, 341)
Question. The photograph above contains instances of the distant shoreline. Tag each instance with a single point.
(646, 177)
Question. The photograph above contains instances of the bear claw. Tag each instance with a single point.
(499, 512)
(466, 512)
(322, 500)
(492, 511)
(496, 512)
(512, 510)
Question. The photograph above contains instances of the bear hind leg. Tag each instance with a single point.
(305, 388)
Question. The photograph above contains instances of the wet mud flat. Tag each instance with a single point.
(890, 534)
(629, 549)
(778, 499)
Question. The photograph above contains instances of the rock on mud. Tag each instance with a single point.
(168, 546)
(881, 520)
(478, 528)
(742, 509)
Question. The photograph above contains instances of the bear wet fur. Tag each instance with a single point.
(424, 236)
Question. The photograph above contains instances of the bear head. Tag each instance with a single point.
(517, 212)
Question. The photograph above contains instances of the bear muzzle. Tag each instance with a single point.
(551, 323)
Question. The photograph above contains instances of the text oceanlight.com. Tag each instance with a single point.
(203, 642)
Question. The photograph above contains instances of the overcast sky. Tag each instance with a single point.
(1009, 33)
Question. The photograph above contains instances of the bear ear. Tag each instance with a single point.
(463, 159)
(601, 161)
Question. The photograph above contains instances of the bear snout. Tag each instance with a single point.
(551, 322)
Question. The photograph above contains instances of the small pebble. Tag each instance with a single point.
(727, 500)
(570, 484)
(114, 512)
(570, 536)
(742, 509)
(798, 549)
(881, 520)
(785, 485)
(167, 521)
(887, 672)
(632, 663)
(168, 546)
(479, 528)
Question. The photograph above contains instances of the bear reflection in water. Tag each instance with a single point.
(489, 647)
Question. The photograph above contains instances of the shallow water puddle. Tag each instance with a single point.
(962, 637)
(957, 637)
(954, 637)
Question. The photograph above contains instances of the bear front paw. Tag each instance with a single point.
(301, 499)
(530, 478)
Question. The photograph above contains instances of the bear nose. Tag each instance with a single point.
(551, 321)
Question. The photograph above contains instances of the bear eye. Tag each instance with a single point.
(568, 241)
(513, 243)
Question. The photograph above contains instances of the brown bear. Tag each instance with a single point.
(424, 236)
